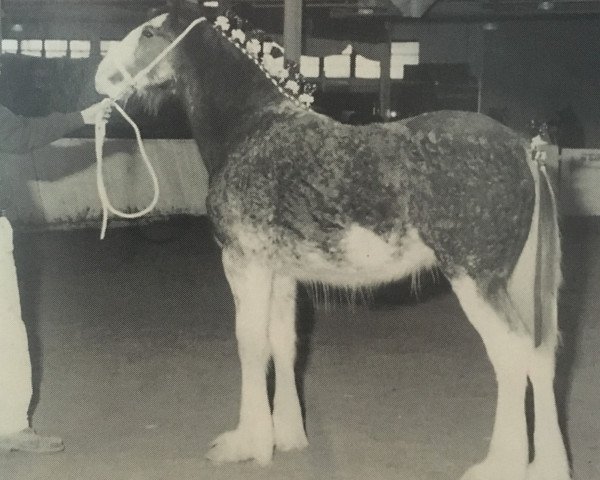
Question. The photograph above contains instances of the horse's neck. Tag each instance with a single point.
(225, 97)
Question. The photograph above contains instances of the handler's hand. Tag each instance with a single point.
(101, 109)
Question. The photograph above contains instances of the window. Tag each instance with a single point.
(10, 46)
(366, 68)
(32, 48)
(55, 48)
(80, 48)
(338, 66)
(309, 66)
(403, 53)
(49, 48)
(105, 45)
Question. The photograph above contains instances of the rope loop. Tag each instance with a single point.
(106, 204)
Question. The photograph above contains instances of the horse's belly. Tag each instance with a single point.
(360, 257)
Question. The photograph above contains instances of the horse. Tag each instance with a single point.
(295, 196)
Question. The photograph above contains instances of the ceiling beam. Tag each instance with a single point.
(76, 13)
(413, 8)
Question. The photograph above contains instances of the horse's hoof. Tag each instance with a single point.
(549, 470)
(288, 430)
(286, 440)
(239, 445)
(495, 470)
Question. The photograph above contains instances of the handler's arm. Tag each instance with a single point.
(20, 134)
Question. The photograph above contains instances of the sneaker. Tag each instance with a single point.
(29, 441)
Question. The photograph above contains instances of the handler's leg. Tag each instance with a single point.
(15, 365)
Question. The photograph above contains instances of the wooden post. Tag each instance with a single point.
(353, 64)
(292, 30)
(385, 79)
(95, 48)
(0, 27)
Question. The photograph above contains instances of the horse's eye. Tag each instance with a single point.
(147, 33)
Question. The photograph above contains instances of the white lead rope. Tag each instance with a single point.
(100, 136)
(106, 205)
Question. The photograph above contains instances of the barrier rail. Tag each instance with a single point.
(55, 187)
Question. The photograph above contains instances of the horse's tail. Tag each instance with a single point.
(534, 282)
(548, 259)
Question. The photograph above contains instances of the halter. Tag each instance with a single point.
(133, 81)
(100, 135)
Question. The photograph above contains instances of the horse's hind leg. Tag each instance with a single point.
(550, 462)
(509, 353)
(253, 439)
(287, 416)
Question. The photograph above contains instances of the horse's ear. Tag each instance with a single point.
(174, 8)
(156, 11)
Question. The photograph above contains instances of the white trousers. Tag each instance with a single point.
(15, 364)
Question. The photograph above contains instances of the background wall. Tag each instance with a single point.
(536, 68)
(444, 42)
(530, 69)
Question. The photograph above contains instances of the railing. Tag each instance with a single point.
(55, 187)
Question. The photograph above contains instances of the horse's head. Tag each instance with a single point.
(125, 65)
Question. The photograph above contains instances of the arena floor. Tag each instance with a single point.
(140, 370)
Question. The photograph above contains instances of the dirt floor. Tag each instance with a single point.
(137, 368)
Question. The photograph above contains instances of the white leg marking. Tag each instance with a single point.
(509, 352)
(550, 461)
(253, 438)
(287, 415)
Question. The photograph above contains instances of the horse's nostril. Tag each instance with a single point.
(107, 79)
(116, 77)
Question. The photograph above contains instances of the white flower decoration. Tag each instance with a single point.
(222, 22)
(239, 35)
(306, 99)
(274, 66)
(253, 47)
(283, 74)
(292, 86)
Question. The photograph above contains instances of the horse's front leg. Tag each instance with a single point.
(287, 415)
(251, 286)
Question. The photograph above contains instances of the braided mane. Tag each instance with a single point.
(257, 46)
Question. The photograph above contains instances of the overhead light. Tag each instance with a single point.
(366, 11)
(211, 4)
(17, 28)
(546, 5)
(490, 26)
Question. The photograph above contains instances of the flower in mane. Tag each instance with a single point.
(238, 35)
(253, 47)
(222, 23)
(268, 56)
